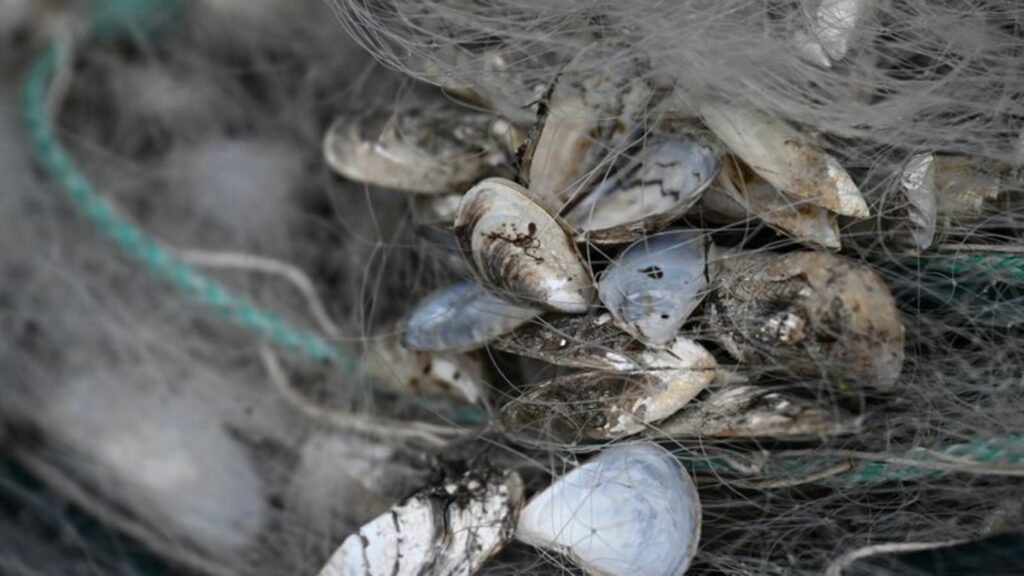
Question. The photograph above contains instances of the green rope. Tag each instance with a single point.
(157, 259)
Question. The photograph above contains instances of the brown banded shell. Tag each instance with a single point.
(597, 105)
(755, 412)
(449, 530)
(785, 158)
(810, 315)
(668, 177)
(521, 250)
(739, 194)
(431, 151)
(602, 405)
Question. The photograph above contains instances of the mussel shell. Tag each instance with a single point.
(966, 185)
(739, 194)
(456, 375)
(781, 155)
(596, 106)
(430, 151)
(447, 530)
(810, 315)
(602, 405)
(521, 250)
(918, 184)
(755, 412)
(655, 284)
(667, 178)
(630, 511)
(461, 317)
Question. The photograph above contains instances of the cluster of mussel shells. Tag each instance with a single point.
(573, 233)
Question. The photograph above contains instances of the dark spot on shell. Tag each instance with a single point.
(653, 272)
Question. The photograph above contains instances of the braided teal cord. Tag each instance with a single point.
(157, 259)
(1006, 266)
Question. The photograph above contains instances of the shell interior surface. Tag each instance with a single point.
(756, 412)
(781, 155)
(461, 317)
(668, 178)
(630, 511)
(599, 405)
(447, 530)
(595, 108)
(810, 315)
(654, 285)
(739, 193)
(918, 182)
(424, 151)
(521, 249)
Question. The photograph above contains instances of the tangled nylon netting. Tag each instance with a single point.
(238, 342)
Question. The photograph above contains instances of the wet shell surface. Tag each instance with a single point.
(461, 317)
(457, 375)
(810, 315)
(755, 412)
(657, 189)
(596, 106)
(918, 183)
(630, 511)
(448, 530)
(831, 29)
(426, 151)
(655, 284)
(602, 405)
(785, 158)
(521, 250)
(739, 194)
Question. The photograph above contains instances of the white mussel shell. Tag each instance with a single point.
(784, 157)
(458, 375)
(810, 315)
(666, 179)
(755, 412)
(739, 194)
(630, 511)
(918, 183)
(429, 151)
(601, 405)
(831, 29)
(521, 250)
(595, 108)
(450, 530)
(654, 285)
(461, 317)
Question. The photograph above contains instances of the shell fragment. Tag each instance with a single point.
(520, 250)
(831, 30)
(755, 412)
(425, 151)
(461, 317)
(599, 405)
(450, 530)
(782, 156)
(630, 511)
(808, 314)
(918, 183)
(458, 375)
(655, 284)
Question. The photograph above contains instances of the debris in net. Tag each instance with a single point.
(428, 151)
(526, 254)
(668, 175)
(653, 286)
(450, 530)
(632, 510)
(458, 375)
(603, 405)
(462, 316)
(745, 411)
(785, 158)
(993, 554)
(808, 315)
(918, 183)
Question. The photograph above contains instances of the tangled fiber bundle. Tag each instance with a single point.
(222, 389)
